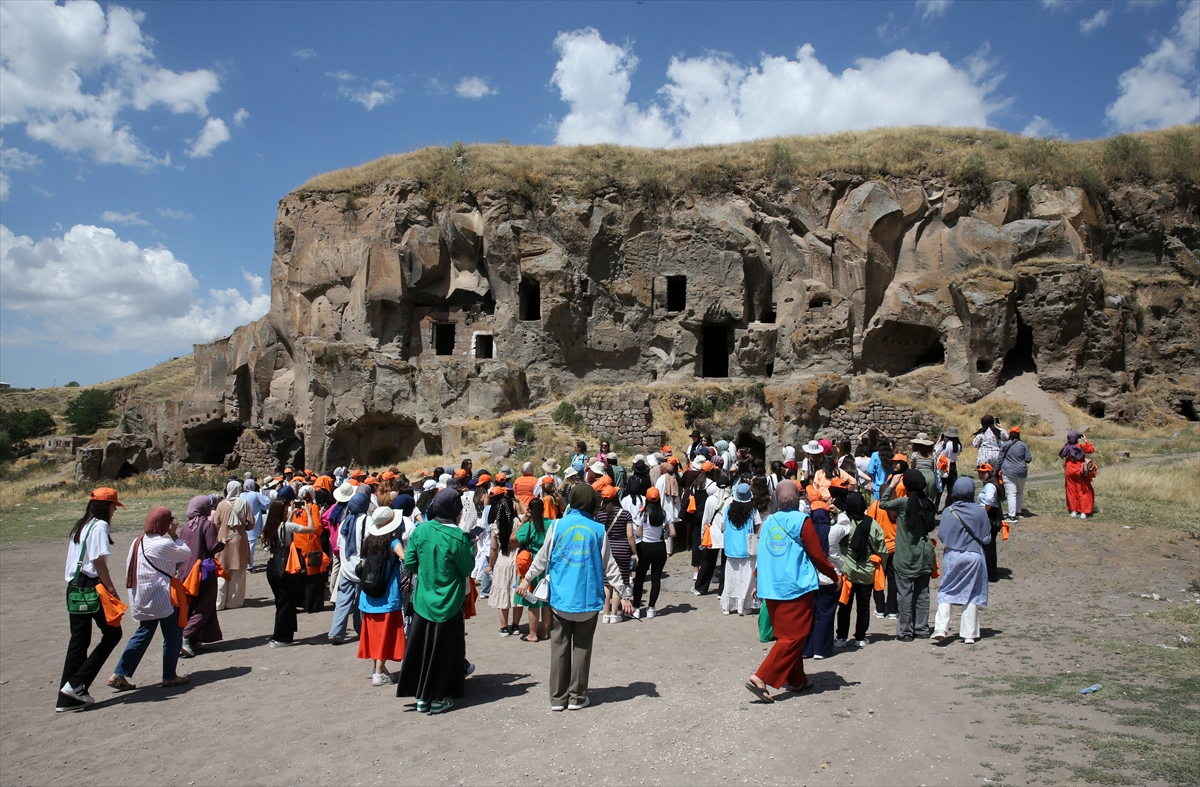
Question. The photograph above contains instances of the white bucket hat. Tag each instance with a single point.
(383, 521)
(598, 468)
(812, 447)
(344, 492)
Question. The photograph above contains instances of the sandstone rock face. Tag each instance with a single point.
(393, 319)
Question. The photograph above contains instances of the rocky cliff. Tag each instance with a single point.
(399, 308)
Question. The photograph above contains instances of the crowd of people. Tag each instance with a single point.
(802, 543)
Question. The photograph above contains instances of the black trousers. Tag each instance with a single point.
(652, 558)
(287, 591)
(80, 667)
(950, 479)
(860, 599)
(708, 567)
(695, 535)
(887, 605)
(989, 554)
(314, 591)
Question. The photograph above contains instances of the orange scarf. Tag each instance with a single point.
(114, 610)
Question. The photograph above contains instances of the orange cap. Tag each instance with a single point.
(357, 474)
(602, 483)
(1015, 429)
(387, 475)
(106, 494)
(839, 482)
(666, 449)
(324, 482)
(707, 466)
(652, 493)
(983, 467)
(354, 482)
(546, 480)
(673, 460)
(609, 492)
(497, 491)
(899, 458)
(460, 473)
(483, 479)
(501, 478)
(369, 480)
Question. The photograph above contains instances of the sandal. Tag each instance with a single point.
(760, 693)
(527, 639)
(181, 680)
(121, 683)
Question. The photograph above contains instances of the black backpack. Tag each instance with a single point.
(373, 573)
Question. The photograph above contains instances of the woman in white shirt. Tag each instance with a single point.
(87, 567)
(153, 560)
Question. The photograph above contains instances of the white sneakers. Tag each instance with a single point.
(611, 618)
(77, 694)
(650, 612)
(1083, 516)
(862, 643)
(580, 705)
(839, 643)
(383, 679)
(1073, 515)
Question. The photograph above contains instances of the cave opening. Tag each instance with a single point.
(210, 445)
(443, 338)
(757, 446)
(484, 345)
(1187, 408)
(897, 348)
(243, 394)
(768, 314)
(714, 351)
(127, 470)
(1021, 358)
(676, 293)
(1096, 410)
(531, 300)
(378, 440)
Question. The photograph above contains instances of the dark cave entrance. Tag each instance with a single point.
(210, 445)
(897, 348)
(676, 293)
(443, 338)
(127, 469)
(757, 446)
(243, 394)
(714, 351)
(1187, 408)
(1021, 358)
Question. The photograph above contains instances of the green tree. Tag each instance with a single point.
(37, 423)
(91, 410)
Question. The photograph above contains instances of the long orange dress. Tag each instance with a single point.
(1081, 498)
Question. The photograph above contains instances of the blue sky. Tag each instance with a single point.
(145, 145)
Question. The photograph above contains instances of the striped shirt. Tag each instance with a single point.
(150, 598)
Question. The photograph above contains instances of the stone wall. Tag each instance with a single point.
(898, 421)
(252, 452)
(621, 418)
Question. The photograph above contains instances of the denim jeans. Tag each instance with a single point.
(347, 604)
(140, 641)
(485, 587)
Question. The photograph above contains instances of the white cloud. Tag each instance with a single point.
(1041, 128)
(13, 160)
(167, 213)
(928, 8)
(1094, 22)
(1054, 5)
(239, 117)
(474, 87)
(112, 217)
(53, 54)
(380, 92)
(214, 133)
(711, 99)
(1164, 88)
(305, 54)
(341, 76)
(89, 290)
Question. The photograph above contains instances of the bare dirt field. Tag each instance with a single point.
(668, 702)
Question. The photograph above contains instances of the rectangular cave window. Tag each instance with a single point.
(676, 293)
(714, 346)
(583, 285)
(443, 338)
(768, 314)
(531, 300)
(483, 345)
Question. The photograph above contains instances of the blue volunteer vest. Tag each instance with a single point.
(576, 564)
(784, 570)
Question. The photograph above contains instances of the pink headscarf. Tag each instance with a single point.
(158, 521)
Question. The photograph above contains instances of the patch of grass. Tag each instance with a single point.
(524, 432)
(1162, 495)
(567, 415)
(1186, 615)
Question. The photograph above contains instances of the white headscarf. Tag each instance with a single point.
(233, 489)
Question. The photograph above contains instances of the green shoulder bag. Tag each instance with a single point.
(82, 600)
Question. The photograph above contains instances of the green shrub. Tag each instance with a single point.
(72, 384)
(567, 415)
(724, 401)
(700, 407)
(524, 432)
(90, 411)
(1126, 158)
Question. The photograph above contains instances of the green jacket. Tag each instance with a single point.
(864, 573)
(441, 557)
(914, 551)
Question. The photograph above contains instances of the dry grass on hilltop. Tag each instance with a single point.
(972, 157)
(168, 380)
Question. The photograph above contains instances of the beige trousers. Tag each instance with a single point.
(231, 593)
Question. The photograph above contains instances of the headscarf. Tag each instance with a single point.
(404, 504)
(307, 492)
(964, 526)
(446, 507)
(158, 521)
(199, 507)
(250, 486)
(583, 498)
(787, 495)
(789, 453)
(242, 510)
(963, 491)
(233, 489)
(914, 486)
(358, 504)
(1071, 450)
(855, 507)
(324, 482)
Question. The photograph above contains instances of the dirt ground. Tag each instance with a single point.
(668, 702)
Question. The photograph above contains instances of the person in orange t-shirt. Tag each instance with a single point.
(525, 485)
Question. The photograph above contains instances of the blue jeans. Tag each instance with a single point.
(347, 603)
(485, 587)
(820, 640)
(140, 641)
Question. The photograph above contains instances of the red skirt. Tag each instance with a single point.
(1081, 499)
(382, 636)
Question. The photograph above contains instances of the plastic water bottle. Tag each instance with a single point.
(1092, 689)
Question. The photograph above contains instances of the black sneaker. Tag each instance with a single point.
(906, 638)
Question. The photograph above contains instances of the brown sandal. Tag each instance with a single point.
(181, 680)
(121, 683)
